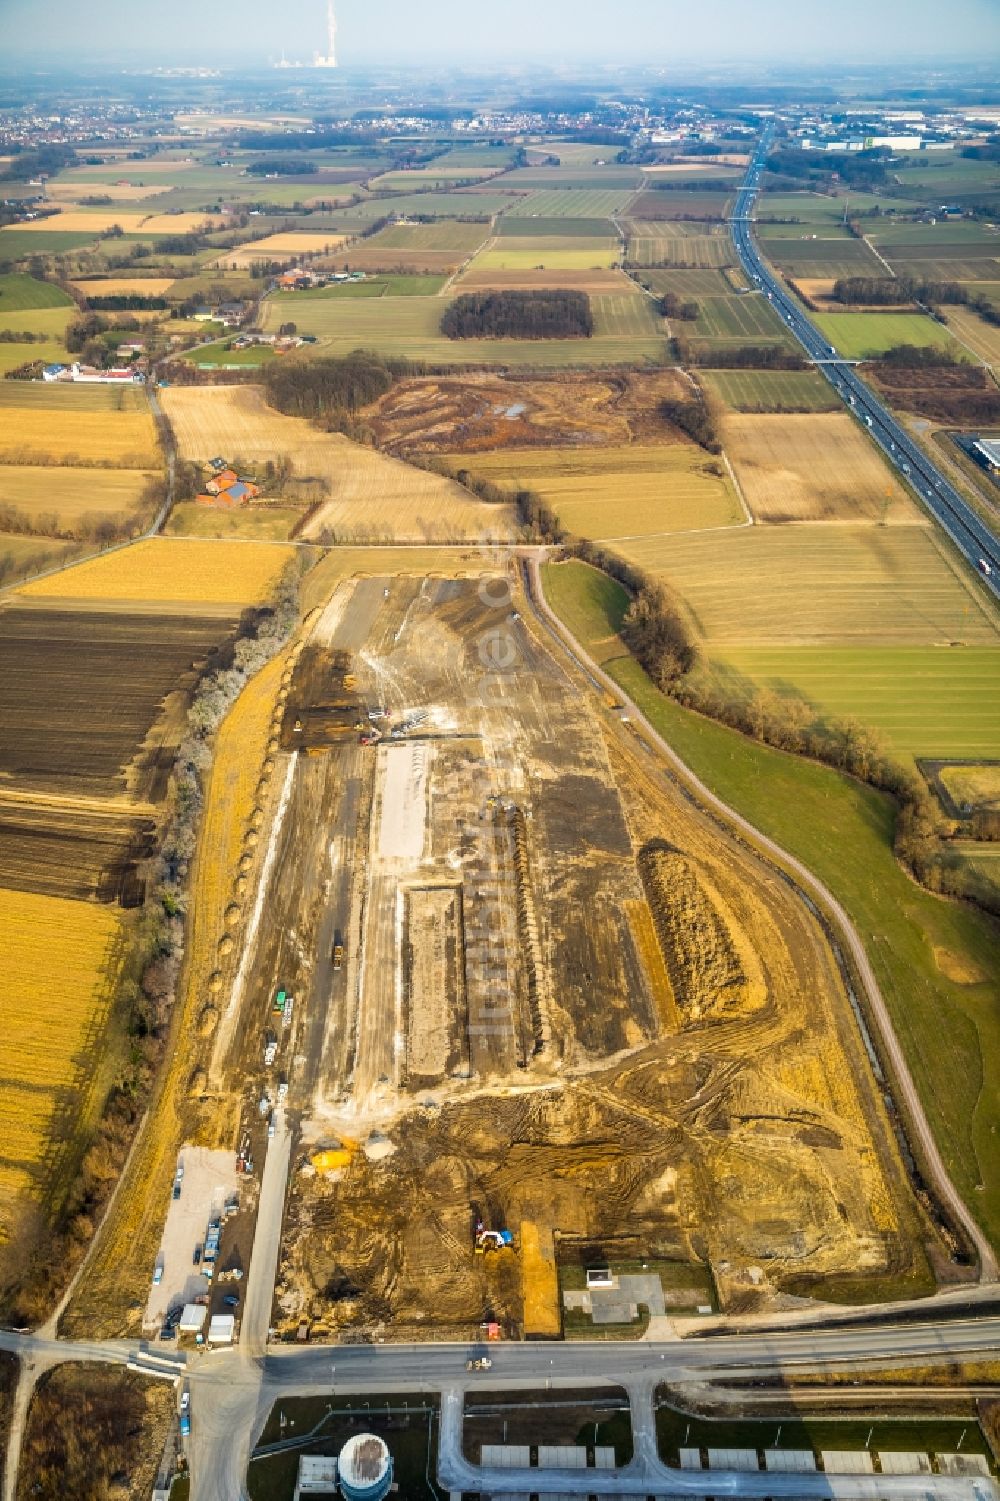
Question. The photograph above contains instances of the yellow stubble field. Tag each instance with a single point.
(173, 571)
(373, 498)
(60, 964)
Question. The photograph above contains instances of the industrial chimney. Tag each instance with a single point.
(330, 60)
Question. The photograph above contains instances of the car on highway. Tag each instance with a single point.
(158, 1274)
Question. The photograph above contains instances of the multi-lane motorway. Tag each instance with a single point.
(969, 534)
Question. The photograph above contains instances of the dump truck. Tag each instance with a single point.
(338, 951)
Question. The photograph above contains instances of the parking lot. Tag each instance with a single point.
(209, 1180)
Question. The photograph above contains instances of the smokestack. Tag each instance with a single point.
(330, 60)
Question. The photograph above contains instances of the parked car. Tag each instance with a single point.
(158, 1274)
(232, 1301)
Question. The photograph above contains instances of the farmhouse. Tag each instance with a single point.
(225, 488)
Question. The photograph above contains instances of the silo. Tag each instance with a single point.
(365, 1468)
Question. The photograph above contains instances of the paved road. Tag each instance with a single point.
(904, 1087)
(970, 535)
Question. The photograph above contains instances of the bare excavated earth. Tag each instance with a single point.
(477, 413)
(567, 998)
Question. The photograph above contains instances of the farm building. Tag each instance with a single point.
(222, 481)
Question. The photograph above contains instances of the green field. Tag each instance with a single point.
(679, 202)
(698, 251)
(71, 398)
(570, 203)
(263, 523)
(549, 254)
(377, 285)
(607, 493)
(735, 319)
(934, 702)
(820, 258)
(950, 1031)
(14, 355)
(411, 327)
(824, 208)
(219, 356)
(771, 390)
(441, 205)
(511, 226)
(860, 335)
(19, 244)
(820, 585)
(675, 1430)
(21, 293)
(50, 321)
(688, 285)
(441, 234)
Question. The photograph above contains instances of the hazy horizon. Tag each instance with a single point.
(559, 31)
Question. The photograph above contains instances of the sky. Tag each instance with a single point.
(544, 31)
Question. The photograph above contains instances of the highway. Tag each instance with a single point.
(971, 536)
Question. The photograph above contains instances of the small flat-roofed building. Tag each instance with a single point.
(317, 1476)
(847, 1462)
(733, 1459)
(789, 1461)
(904, 1462)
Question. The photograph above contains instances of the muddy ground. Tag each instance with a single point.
(477, 413)
(520, 1029)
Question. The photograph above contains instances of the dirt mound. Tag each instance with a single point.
(705, 968)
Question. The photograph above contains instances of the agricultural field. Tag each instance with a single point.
(270, 523)
(699, 252)
(287, 246)
(410, 326)
(603, 283)
(804, 467)
(821, 585)
(50, 321)
(861, 335)
(69, 425)
(930, 702)
(822, 258)
(441, 234)
(568, 202)
(723, 322)
(61, 960)
(20, 294)
(372, 498)
(81, 690)
(379, 285)
(574, 253)
(676, 201)
(976, 334)
(215, 577)
(509, 227)
(17, 244)
(127, 286)
(934, 959)
(71, 495)
(474, 414)
(771, 390)
(609, 493)
(21, 555)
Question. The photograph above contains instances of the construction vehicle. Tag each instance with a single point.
(482, 1364)
(338, 951)
(492, 1240)
(279, 1003)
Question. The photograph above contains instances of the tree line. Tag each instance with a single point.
(519, 315)
(742, 357)
(327, 389)
(889, 291)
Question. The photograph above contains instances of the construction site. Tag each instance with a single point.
(525, 1006)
